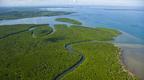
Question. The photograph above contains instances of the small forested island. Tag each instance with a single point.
(66, 52)
(68, 20)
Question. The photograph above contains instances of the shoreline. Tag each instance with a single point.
(125, 51)
(123, 64)
(120, 56)
(77, 64)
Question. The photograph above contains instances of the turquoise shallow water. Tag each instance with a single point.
(128, 20)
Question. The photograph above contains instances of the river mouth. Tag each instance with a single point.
(133, 51)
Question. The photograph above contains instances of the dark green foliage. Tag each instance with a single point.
(28, 58)
(68, 20)
(55, 39)
(41, 31)
(101, 63)
(25, 57)
(4, 30)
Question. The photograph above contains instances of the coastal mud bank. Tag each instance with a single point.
(132, 58)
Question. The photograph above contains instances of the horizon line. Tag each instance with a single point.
(74, 6)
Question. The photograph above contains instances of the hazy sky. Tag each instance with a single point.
(70, 2)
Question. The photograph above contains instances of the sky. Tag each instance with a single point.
(71, 2)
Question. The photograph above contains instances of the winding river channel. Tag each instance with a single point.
(129, 21)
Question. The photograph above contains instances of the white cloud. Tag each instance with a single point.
(72, 2)
(112, 2)
(33, 2)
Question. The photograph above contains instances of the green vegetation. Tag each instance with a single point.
(28, 58)
(101, 63)
(41, 31)
(24, 57)
(68, 20)
(4, 30)
(28, 14)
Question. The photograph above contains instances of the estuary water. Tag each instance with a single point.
(128, 20)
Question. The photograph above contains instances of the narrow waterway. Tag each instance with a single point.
(129, 21)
